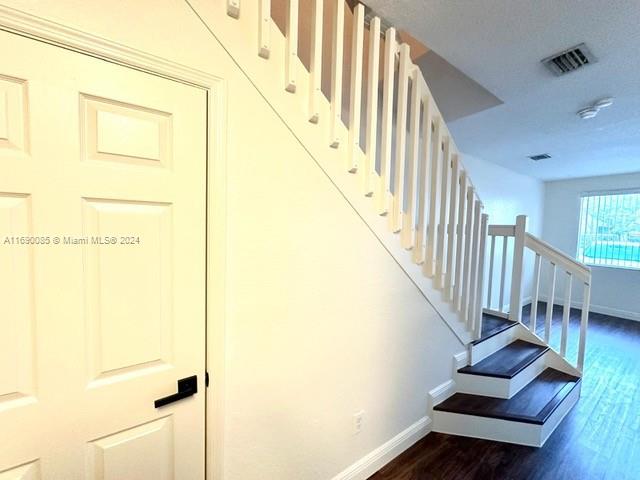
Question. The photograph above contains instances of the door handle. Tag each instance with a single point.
(186, 387)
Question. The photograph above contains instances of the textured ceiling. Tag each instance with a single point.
(499, 44)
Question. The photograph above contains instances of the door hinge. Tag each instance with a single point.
(206, 379)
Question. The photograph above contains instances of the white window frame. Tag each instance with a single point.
(581, 218)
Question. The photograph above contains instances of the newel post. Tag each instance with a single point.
(515, 304)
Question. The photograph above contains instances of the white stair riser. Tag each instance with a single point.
(487, 428)
(491, 345)
(500, 387)
(567, 404)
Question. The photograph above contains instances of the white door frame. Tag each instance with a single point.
(15, 21)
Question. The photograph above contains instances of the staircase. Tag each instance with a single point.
(520, 377)
(516, 390)
(376, 131)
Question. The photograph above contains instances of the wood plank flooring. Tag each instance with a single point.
(599, 439)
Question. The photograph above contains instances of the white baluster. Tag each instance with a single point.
(369, 173)
(474, 281)
(409, 216)
(397, 203)
(445, 171)
(492, 255)
(337, 48)
(355, 106)
(515, 304)
(387, 121)
(291, 46)
(484, 226)
(584, 324)
(468, 236)
(428, 267)
(457, 284)
(421, 234)
(503, 272)
(565, 314)
(451, 228)
(536, 294)
(264, 28)
(315, 60)
(550, 299)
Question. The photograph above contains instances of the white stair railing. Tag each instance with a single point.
(409, 162)
(576, 275)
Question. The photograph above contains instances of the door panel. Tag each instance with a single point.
(16, 294)
(129, 313)
(140, 453)
(110, 126)
(13, 115)
(96, 331)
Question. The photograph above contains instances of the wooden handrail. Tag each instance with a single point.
(580, 270)
(502, 230)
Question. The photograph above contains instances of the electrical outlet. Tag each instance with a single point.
(358, 419)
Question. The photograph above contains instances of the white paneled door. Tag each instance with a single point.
(102, 268)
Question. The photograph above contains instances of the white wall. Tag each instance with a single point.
(507, 194)
(321, 322)
(614, 291)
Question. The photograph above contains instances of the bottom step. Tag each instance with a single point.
(528, 418)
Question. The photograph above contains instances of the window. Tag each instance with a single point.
(610, 229)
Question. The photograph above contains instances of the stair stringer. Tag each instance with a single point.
(239, 37)
(553, 359)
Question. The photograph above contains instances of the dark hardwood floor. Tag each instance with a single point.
(599, 438)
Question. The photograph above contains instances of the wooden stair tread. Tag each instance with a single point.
(493, 325)
(508, 361)
(533, 404)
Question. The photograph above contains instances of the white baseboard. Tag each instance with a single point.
(374, 461)
(603, 309)
(460, 360)
(614, 312)
(440, 393)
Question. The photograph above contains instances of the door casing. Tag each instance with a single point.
(39, 29)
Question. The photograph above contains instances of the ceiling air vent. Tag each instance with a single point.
(542, 156)
(570, 60)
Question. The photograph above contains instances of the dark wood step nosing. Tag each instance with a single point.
(507, 376)
(564, 393)
(539, 419)
(494, 333)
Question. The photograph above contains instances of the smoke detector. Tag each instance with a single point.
(593, 110)
(587, 113)
(569, 60)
